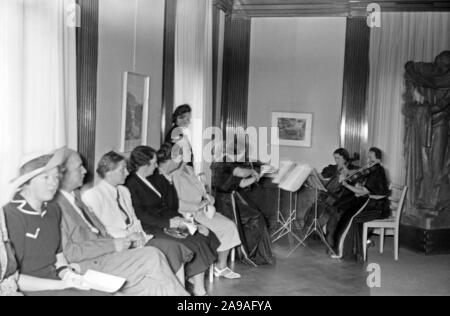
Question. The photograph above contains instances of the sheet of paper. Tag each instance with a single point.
(103, 282)
(296, 178)
(285, 167)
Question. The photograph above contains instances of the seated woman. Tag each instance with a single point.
(34, 231)
(111, 202)
(8, 265)
(195, 202)
(369, 202)
(332, 175)
(156, 205)
(240, 177)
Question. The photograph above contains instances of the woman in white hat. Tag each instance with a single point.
(34, 231)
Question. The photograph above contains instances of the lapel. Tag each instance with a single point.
(72, 215)
(148, 194)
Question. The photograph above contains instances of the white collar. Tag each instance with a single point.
(69, 196)
(109, 188)
(149, 185)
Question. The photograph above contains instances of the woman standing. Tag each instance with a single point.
(156, 205)
(178, 134)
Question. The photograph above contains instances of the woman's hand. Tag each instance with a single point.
(122, 244)
(210, 199)
(203, 204)
(137, 240)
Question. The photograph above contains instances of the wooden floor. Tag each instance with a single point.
(309, 271)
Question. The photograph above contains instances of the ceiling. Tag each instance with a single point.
(262, 8)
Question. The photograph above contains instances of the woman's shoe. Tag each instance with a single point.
(335, 256)
(226, 273)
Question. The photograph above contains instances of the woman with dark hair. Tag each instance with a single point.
(111, 202)
(328, 214)
(181, 120)
(369, 201)
(233, 183)
(156, 204)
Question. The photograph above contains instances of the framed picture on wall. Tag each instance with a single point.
(295, 128)
(136, 93)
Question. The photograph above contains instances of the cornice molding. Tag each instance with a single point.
(286, 8)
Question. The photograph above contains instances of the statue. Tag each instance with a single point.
(427, 140)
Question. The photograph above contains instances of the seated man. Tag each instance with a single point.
(86, 242)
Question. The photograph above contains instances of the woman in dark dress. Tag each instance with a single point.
(238, 178)
(369, 202)
(327, 212)
(156, 204)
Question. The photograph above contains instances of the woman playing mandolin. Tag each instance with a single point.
(368, 202)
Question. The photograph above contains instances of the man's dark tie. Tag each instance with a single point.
(127, 218)
(83, 208)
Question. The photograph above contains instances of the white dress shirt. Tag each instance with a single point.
(102, 200)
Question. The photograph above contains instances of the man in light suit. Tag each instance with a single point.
(87, 244)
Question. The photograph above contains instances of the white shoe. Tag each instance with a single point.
(226, 273)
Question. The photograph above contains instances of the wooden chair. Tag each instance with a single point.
(391, 225)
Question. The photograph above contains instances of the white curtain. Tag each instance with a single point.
(193, 68)
(37, 81)
(402, 37)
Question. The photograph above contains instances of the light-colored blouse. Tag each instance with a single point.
(103, 200)
(190, 189)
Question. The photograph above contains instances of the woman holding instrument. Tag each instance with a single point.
(332, 176)
(368, 202)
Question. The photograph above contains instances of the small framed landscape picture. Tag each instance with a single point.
(295, 129)
(136, 90)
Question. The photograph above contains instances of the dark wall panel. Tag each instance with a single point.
(87, 61)
(356, 76)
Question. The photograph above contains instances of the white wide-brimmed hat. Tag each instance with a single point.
(36, 164)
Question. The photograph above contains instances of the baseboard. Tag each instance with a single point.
(428, 242)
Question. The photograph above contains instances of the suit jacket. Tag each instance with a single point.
(79, 242)
(151, 209)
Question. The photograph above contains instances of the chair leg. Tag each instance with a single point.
(396, 237)
(233, 255)
(365, 242)
(211, 274)
(381, 240)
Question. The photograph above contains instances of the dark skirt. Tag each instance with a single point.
(202, 248)
(177, 253)
(355, 213)
(251, 224)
